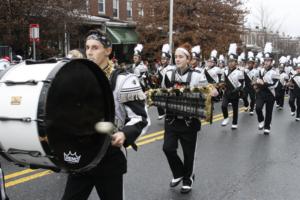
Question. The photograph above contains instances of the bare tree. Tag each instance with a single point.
(266, 19)
(212, 24)
(52, 15)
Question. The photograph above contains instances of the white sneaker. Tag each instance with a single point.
(261, 125)
(225, 122)
(297, 119)
(234, 126)
(280, 108)
(266, 131)
(161, 116)
(277, 106)
(251, 113)
(292, 113)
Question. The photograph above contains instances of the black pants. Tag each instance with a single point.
(188, 139)
(235, 108)
(160, 111)
(267, 100)
(79, 187)
(251, 93)
(292, 100)
(279, 96)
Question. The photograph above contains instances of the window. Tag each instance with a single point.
(140, 10)
(101, 6)
(129, 8)
(116, 8)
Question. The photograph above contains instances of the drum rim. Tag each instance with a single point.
(41, 114)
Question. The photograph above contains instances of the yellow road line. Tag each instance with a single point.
(27, 178)
(19, 173)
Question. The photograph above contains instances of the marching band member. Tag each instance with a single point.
(139, 68)
(221, 63)
(233, 79)
(250, 74)
(265, 95)
(242, 61)
(165, 66)
(212, 71)
(196, 59)
(281, 86)
(295, 92)
(288, 67)
(131, 120)
(182, 128)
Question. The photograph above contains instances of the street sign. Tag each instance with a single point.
(34, 32)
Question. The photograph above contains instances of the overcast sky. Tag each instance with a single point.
(285, 12)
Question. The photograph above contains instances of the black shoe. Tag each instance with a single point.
(175, 181)
(187, 185)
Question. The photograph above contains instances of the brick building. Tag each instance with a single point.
(117, 19)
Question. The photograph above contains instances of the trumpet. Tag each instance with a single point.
(185, 101)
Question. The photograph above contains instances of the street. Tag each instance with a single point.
(230, 164)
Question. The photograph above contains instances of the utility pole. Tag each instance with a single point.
(171, 29)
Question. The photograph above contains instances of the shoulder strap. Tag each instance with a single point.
(189, 77)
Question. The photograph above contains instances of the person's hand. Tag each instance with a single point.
(214, 92)
(118, 139)
(260, 81)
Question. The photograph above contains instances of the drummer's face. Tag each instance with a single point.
(181, 59)
(96, 52)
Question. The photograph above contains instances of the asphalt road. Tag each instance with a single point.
(230, 164)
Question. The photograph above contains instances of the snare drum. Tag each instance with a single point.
(48, 111)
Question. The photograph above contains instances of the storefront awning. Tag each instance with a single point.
(122, 35)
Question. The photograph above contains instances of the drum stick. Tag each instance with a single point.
(105, 128)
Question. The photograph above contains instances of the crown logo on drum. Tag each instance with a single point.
(72, 158)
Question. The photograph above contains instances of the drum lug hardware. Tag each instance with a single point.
(19, 151)
(29, 82)
(40, 120)
(24, 119)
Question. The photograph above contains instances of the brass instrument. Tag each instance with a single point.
(188, 102)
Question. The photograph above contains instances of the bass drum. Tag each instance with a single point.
(48, 110)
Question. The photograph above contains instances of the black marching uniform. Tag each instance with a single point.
(181, 128)
(265, 95)
(280, 89)
(249, 75)
(295, 96)
(132, 119)
(234, 83)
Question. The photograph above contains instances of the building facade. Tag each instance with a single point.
(255, 39)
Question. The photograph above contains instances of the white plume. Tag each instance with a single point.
(221, 58)
(295, 60)
(214, 53)
(268, 47)
(282, 60)
(250, 54)
(196, 49)
(259, 55)
(139, 47)
(242, 56)
(232, 49)
(166, 48)
(298, 60)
